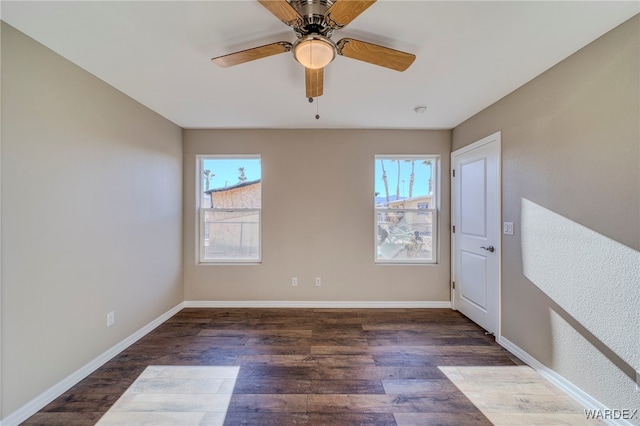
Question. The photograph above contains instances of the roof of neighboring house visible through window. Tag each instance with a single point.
(227, 188)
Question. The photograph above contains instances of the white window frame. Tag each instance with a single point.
(435, 241)
(200, 214)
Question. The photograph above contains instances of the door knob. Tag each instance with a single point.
(490, 248)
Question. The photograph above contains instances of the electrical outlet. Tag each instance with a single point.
(294, 282)
(111, 318)
(318, 282)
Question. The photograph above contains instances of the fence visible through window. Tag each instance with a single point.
(232, 234)
(405, 235)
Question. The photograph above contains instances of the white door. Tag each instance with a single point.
(475, 197)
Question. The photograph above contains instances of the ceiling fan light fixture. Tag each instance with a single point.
(314, 51)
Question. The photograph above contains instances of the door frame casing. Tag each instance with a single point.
(497, 139)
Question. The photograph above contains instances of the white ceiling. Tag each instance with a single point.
(469, 55)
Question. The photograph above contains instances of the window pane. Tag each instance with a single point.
(404, 182)
(230, 203)
(231, 183)
(232, 235)
(406, 208)
(404, 235)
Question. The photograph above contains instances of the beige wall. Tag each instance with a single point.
(106, 232)
(317, 200)
(571, 185)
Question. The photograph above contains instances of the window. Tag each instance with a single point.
(406, 209)
(229, 205)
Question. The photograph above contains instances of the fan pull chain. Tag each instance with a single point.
(317, 100)
(317, 107)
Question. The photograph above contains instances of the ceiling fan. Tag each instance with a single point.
(313, 22)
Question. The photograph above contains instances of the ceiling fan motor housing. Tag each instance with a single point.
(313, 17)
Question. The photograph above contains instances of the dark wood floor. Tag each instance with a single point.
(331, 364)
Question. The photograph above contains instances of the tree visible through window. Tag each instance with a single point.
(406, 210)
(230, 208)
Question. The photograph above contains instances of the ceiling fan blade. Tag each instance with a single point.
(314, 80)
(342, 12)
(282, 10)
(252, 54)
(374, 54)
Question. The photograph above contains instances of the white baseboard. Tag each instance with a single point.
(583, 398)
(36, 404)
(313, 304)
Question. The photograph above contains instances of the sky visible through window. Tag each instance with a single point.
(422, 174)
(225, 172)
